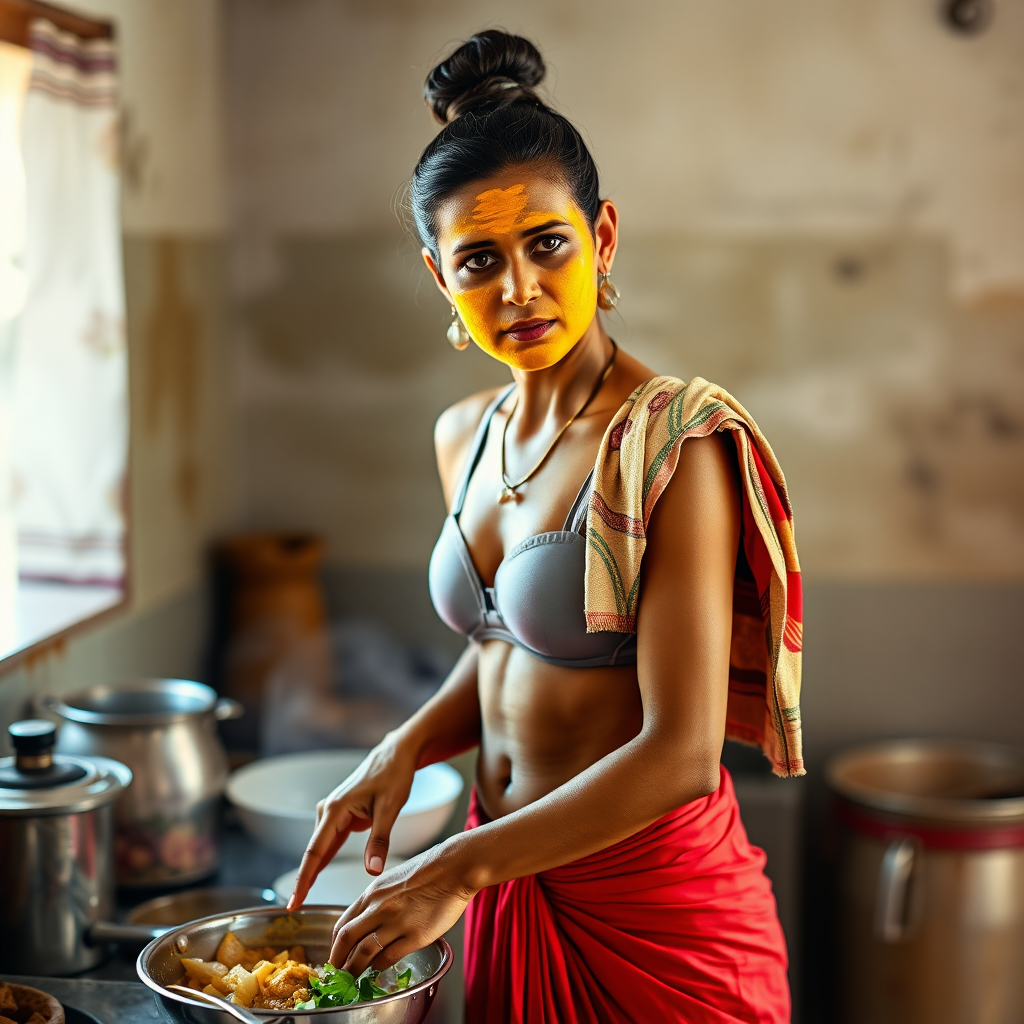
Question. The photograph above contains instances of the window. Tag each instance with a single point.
(63, 358)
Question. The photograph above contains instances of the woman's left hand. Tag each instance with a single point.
(402, 910)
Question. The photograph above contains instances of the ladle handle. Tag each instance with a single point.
(239, 1012)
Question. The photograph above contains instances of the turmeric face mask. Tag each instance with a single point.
(518, 259)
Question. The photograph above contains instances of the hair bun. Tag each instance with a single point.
(491, 69)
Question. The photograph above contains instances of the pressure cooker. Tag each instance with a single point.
(56, 853)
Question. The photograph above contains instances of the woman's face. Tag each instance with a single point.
(520, 264)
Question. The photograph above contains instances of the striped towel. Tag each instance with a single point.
(636, 460)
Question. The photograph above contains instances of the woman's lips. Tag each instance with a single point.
(530, 330)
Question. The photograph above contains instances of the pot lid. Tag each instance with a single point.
(36, 781)
(141, 702)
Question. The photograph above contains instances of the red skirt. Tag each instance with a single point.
(676, 923)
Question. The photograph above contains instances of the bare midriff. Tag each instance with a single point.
(542, 724)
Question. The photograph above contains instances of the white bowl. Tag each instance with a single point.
(276, 799)
(338, 885)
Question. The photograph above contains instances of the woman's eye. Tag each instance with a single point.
(479, 261)
(549, 244)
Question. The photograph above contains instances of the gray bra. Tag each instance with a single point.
(537, 599)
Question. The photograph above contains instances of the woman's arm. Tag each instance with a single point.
(448, 724)
(374, 794)
(684, 631)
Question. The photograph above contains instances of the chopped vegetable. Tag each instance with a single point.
(338, 987)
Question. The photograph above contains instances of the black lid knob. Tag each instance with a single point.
(32, 737)
(34, 767)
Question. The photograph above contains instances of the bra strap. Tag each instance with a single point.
(476, 449)
(576, 520)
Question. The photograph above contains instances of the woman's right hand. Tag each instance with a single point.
(370, 798)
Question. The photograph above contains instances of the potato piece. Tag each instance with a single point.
(280, 958)
(231, 952)
(7, 1020)
(242, 985)
(262, 972)
(36, 1018)
(206, 973)
(211, 991)
(266, 952)
(298, 954)
(7, 1000)
(287, 978)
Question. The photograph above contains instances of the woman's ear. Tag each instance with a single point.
(436, 274)
(606, 236)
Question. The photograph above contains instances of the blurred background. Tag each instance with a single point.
(822, 210)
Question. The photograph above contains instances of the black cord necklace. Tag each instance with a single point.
(508, 492)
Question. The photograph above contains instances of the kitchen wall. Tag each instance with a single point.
(183, 485)
(821, 211)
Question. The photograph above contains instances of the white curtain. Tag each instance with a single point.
(70, 362)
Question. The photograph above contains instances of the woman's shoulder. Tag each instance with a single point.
(456, 426)
(455, 429)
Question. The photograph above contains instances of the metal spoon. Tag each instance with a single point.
(234, 1009)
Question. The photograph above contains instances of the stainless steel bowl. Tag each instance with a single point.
(159, 964)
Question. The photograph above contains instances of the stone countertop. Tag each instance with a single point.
(110, 1002)
(112, 992)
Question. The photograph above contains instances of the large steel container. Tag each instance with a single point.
(931, 887)
(165, 731)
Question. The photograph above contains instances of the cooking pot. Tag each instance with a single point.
(56, 853)
(931, 887)
(159, 964)
(164, 730)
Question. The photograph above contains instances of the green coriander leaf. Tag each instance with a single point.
(402, 980)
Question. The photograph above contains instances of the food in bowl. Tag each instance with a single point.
(266, 978)
(276, 800)
(20, 1004)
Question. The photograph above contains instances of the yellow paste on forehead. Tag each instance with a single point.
(499, 209)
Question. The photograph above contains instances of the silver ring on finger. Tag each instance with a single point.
(373, 935)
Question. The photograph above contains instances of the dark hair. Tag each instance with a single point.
(484, 96)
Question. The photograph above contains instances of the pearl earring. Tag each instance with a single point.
(458, 336)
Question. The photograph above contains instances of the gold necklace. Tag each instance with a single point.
(508, 492)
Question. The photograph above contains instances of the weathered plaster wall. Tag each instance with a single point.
(182, 483)
(820, 211)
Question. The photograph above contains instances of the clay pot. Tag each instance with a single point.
(277, 616)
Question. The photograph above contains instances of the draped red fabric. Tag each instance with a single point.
(676, 923)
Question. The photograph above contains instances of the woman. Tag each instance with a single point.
(605, 870)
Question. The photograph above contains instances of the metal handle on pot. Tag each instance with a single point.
(892, 905)
(110, 931)
(226, 709)
(45, 704)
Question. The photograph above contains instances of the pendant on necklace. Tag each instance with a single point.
(506, 494)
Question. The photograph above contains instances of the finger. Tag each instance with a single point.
(370, 948)
(332, 852)
(351, 912)
(327, 838)
(348, 937)
(394, 951)
(384, 814)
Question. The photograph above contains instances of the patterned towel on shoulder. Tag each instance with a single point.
(636, 460)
